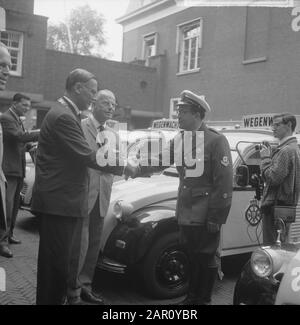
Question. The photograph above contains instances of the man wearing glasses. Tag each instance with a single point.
(60, 193)
(5, 66)
(280, 170)
(97, 134)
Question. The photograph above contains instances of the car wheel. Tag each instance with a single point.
(165, 270)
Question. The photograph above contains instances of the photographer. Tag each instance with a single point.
(280, 170)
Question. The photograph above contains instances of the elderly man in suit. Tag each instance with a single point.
(5, 66)
(15, 139)
(204, 193)
(60, 194)
(100, 185)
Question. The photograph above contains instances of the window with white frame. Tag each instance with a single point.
(149, 46)
(189, 43)
(173, 107)
(14, 43)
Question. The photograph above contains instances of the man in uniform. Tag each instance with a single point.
(204, 199)
(5, 66)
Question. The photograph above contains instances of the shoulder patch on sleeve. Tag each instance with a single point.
(225, 161)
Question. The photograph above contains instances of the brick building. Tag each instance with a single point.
(41, 73)
(244, 59)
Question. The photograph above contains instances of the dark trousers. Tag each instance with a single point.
(14, 186)
(3, 228)
(202, 248)
(88, 246)
(56, 241)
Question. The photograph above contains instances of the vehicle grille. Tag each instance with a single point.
(295, 227)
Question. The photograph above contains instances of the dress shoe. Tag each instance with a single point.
(5, 251)
(91, 297)
(14, 240)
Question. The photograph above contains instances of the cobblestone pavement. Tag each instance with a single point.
(117, 290)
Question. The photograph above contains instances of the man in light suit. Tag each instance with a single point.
(5, 66)
(100, 185)
(15, 141)
(60, 193)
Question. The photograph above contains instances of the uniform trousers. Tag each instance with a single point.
(202, 247)
(57, 234)
(88, 245)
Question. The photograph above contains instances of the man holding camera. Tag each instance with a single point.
(280, 170)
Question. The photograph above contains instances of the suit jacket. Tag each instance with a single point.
(63, 158)
(14, 141)
(206, 197)
(100, 183)
(2, 188)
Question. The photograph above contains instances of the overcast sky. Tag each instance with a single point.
(56, 10)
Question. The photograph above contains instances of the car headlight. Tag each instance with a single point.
(261, 263)
(268, 261)
(122, 209)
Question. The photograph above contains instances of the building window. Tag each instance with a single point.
(256, 34)
(173, 107)
(189, 43)
(149, 46)
(14, 43)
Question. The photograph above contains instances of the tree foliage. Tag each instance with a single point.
(82, 33)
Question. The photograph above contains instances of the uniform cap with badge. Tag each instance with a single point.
(188, 98)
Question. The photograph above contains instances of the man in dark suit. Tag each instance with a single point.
(204, 193)
(60, 194)
(5, 66)
(100, 185)
(15, 138)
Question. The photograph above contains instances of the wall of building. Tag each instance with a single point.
(230, 86)
(25, 6)
(134, 85)
(34, 29)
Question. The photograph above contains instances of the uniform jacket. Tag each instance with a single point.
(281, 173)
(206, 197)
(63, 158)
(100, 183)
(14, 141)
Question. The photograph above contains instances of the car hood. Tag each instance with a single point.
(144, 191)
(139, 192)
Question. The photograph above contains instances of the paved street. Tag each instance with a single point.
(116, 289)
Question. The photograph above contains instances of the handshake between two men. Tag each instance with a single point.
(112, 154)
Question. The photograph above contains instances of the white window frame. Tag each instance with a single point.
(173, 107)
(180, 41)
(18, 71)
(146, 38)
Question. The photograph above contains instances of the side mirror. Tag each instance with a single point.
(242, 175)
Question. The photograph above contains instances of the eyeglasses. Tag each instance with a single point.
(276, 124)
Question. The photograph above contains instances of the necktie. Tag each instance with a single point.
(101, 129)
(22, 125)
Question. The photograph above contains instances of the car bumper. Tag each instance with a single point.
(110, 265)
